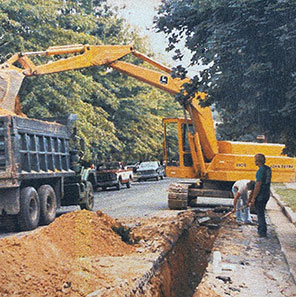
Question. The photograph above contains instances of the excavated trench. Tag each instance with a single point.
(181, 269)
(184, 267)
(90, 254)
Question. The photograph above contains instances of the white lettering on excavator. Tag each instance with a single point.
(282, 166)
(241, 165)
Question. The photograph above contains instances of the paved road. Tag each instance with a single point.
(142, 199)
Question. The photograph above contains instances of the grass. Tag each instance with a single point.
(287, 195)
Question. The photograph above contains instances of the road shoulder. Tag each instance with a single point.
(282, 219)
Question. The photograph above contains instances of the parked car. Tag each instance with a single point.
(113, 174)
(133, 166)
(149, 170)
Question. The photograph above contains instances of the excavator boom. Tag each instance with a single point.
(11, 76)
(203, 123)
(20, 65)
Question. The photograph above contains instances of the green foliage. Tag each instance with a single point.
(287, 195)
(252, 47)
(119, 117)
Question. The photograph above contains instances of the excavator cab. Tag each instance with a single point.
(176, 148)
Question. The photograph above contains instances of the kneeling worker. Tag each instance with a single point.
(240, 191)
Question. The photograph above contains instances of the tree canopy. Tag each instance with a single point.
(250, 46)
(119, 117)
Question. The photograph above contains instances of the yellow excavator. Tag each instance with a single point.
(191, 149)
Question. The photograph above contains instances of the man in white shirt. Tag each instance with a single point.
(240, 191)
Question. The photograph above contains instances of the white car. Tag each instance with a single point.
(149, 170)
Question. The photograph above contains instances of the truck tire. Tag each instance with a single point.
(89, 200)
(48, 204)
(28, 217)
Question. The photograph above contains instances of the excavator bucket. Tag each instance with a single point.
(10, 84)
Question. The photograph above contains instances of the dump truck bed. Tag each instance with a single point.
(31, 149)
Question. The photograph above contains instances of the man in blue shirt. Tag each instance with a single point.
(261, 193)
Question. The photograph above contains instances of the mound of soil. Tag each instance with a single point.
(83, 253)
(60, 259)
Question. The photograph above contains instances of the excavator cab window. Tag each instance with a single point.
(185, 142)
(172, 144)
(187, 159)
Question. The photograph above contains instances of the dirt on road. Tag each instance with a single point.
(85, 252)
(90, 254)
(61, 259)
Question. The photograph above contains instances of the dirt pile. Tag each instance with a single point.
(85, 254)
(60, 259)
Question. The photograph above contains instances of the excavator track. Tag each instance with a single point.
(206, 194)
(178, 195)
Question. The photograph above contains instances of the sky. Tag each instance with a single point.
(140, 13)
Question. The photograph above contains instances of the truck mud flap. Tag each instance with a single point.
(71, 194)
(9, 201)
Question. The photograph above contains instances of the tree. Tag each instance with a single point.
(100, 98)
(252, 47)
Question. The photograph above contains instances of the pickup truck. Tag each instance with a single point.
(113, 174)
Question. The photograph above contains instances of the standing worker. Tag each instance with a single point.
(240, 192)
(261, 193)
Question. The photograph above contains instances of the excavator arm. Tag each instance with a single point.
(201, 117)
(20, 65)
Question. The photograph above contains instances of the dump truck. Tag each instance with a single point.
(191, 149)
(39, 168)
(39, 172)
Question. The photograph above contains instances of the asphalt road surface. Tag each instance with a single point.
(142, 199)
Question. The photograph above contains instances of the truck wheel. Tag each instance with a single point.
(157, 178)
(48, 204)
(128, 184)
(89, 200)
(28, 217)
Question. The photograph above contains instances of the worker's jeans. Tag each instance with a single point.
(260, 205)
(242, 215)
